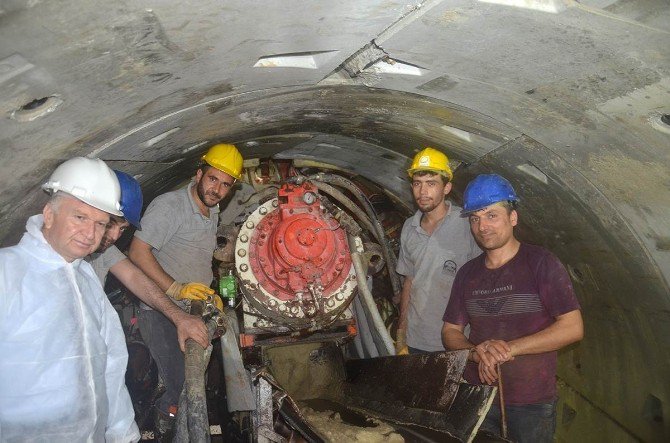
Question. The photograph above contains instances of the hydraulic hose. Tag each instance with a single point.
(378, 229)
(346, 202)
(192, 422)
(356, 248)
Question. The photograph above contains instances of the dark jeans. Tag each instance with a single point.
(534, 423)
(160, 335)
(416, 350)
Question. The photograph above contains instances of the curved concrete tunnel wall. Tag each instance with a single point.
(560, 104)
(614, 380)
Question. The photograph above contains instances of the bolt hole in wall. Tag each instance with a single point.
(36, 108)
(34, 104)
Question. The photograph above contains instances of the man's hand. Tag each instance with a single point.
(488, 354)
(401, 343)
(190, 291)
(190, 326)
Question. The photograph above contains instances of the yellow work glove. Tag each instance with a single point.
(190, 291)
(218, 302)
(401, 343)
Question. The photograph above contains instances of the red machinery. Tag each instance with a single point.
(294, 264)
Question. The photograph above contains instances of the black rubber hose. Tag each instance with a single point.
(378, 229)
(192, 422)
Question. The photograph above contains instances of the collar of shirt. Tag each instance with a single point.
(416, 218)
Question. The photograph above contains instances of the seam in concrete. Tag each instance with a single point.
(615, 17)
(372, 52)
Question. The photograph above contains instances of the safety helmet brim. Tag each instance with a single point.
(486, 190)
(226, 158)
(88, 180)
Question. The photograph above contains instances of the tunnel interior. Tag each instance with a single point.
(559, 209)
(570, 105)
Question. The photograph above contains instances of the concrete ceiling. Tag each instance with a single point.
(570, 100)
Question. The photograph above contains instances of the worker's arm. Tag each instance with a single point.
(489, 351)
(453, 338)
(401, 342)
(140, 254)
(188, 326)
(568, 328)
(404, 302)
(486, 354)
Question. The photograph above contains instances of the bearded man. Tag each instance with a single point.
(174, 249)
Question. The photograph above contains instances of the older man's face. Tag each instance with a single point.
(73, 228)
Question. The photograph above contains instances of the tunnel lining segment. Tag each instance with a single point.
(619, 363)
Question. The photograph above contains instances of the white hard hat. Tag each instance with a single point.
(89, 180)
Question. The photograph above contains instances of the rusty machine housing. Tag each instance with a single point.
(294, 267)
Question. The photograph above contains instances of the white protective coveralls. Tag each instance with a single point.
(62, 350)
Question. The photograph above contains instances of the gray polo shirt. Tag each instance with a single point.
(183, 240)
(102, 262)
(432, 262)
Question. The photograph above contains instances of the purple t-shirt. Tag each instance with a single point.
(520, 298)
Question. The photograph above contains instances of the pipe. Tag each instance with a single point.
(346, 202)
(356, 248)
(192, 422)
(239, 394)
(388, 253)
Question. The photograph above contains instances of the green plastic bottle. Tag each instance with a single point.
(228, 288)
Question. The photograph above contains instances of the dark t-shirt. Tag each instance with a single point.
(520, 298)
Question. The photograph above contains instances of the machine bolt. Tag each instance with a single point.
(244, 238)
(275, 203)
(242, 252)
(250, 224)
(263, 210)
(330, 302)
(339, 296)
(244, 267)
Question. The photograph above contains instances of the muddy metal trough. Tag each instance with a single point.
(423, 391)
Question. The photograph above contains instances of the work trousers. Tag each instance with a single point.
(160, 335)
(533, 423)
(412, 350)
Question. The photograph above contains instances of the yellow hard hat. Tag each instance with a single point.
(430, 159)
(226, 158)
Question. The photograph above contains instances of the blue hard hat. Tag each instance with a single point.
(485, 190)
(131, 198)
